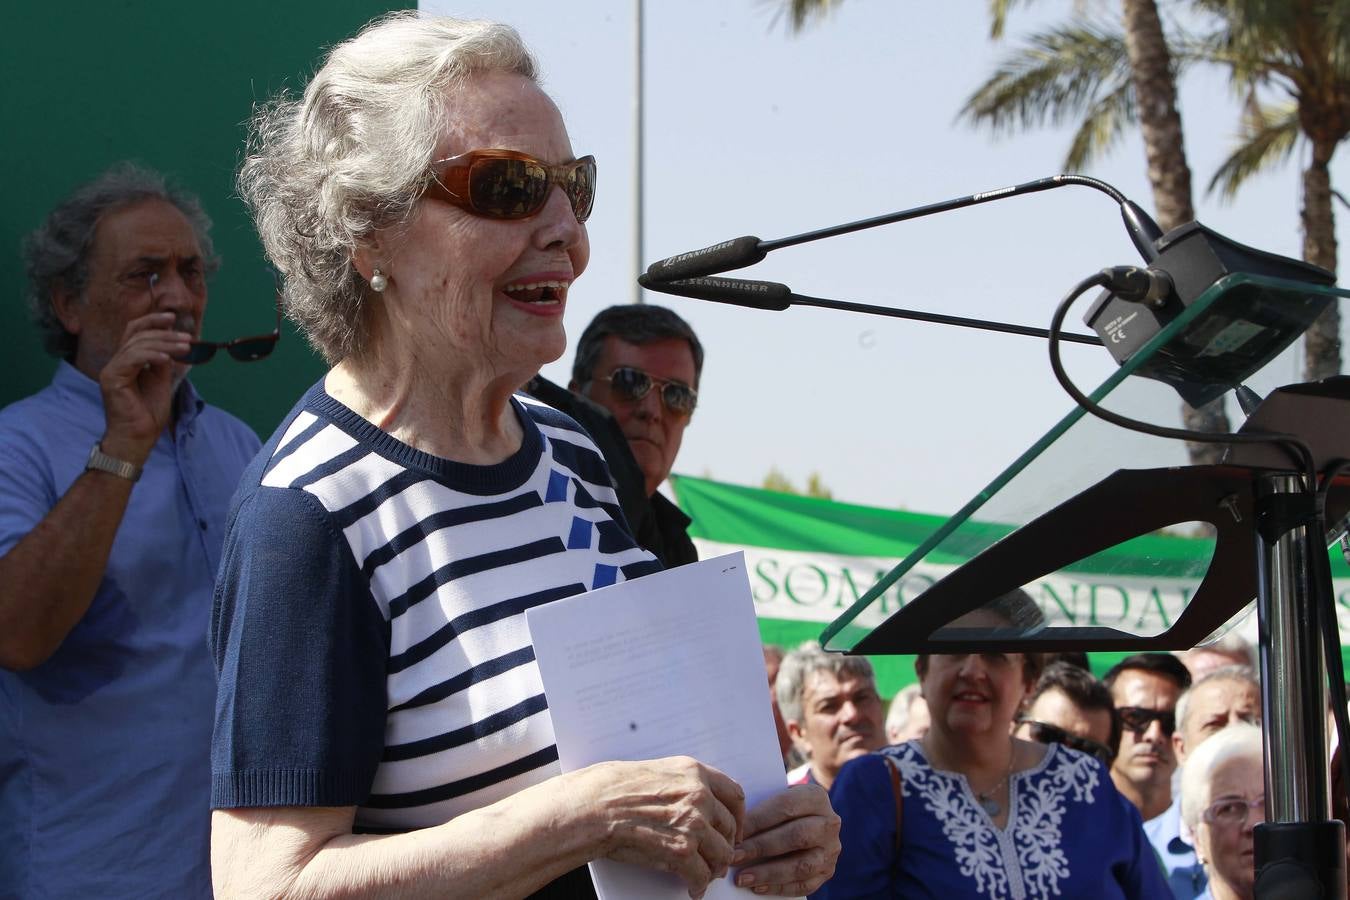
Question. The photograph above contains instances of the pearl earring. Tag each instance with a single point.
(378, 282)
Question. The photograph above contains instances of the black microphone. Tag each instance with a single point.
(768, 295)
(733, 254)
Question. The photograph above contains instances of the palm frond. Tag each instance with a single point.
(801, 13)
(1267, 137)
(998, 16)
(1103, 126)
(1055, 76)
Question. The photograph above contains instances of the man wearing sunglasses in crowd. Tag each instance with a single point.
(1223, 697)
(634, 387)
(1069, 706)
(1145, 688)
(114, 482)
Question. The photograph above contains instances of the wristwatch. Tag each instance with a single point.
(113, 466)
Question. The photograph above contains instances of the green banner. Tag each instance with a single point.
(810, 559)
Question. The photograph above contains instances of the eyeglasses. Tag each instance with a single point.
(1138, 719)
(1232, 811)
(505, 184)
(244, 349)
(1046, 733)
(633, 384)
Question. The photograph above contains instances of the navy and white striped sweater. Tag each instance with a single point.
(369, 619)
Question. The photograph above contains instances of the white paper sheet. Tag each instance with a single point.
(666, 665)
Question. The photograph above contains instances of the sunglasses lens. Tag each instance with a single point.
(1047, 734)
(629, 383)
(507, 188)
(198, 352)
(581, 188)
(1138, 720)
(678, 398)
(252, 349)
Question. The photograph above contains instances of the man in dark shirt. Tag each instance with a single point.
(638, 365)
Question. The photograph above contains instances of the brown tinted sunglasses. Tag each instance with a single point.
(506, 184)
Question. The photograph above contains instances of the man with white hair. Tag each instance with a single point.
(1223, 697)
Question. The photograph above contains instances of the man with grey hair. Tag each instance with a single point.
(114, 483)
(832, 710)
(1221, 698)
(642, 364)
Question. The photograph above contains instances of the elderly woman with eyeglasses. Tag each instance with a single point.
(1223, 798)
(970, 810)
(381, 728)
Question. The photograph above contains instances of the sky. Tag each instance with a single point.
(752, 130)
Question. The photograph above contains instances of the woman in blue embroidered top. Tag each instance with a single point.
(985, 814)
(381, 727)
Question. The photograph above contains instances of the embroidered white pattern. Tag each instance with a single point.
(1037, 801)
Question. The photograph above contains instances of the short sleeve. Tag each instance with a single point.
(865, 801)
(300, 648)
(27, 488)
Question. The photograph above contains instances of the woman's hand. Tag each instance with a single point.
(676, 815)
(791, 843)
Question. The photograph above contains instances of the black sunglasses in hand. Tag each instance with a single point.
(1045, 733)
(244, 349)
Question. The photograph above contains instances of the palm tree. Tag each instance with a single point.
(1108, 76)
(1301, 50)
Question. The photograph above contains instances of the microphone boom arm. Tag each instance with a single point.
(775, 296)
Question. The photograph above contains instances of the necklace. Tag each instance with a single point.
(986, 798)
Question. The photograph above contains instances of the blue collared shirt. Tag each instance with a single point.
(1185, 875)
(105, 747)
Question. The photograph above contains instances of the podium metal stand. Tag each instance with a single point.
(1088, 491)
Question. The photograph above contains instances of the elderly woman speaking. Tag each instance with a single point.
(381, 727)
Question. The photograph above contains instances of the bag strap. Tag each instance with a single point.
(898, 793)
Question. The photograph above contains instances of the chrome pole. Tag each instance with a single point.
(1293, 673)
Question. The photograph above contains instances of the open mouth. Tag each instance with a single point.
(541, 293)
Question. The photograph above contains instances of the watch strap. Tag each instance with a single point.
(102, 462)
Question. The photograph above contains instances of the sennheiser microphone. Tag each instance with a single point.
(737, 291)
(733, 254)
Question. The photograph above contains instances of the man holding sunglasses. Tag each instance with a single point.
(1145, 688)
(114, 484)
(642, 363)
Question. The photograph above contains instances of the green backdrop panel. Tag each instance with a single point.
(169, 84)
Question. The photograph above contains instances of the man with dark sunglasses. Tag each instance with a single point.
(114, 484)
(642, 363)
(1069, 706)
(634, 387)
(1145, 688)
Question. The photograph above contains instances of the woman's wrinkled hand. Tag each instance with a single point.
(791, 843)
(676, 815)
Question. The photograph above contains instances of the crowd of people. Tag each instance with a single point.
(300, 667)
(1017, 775)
